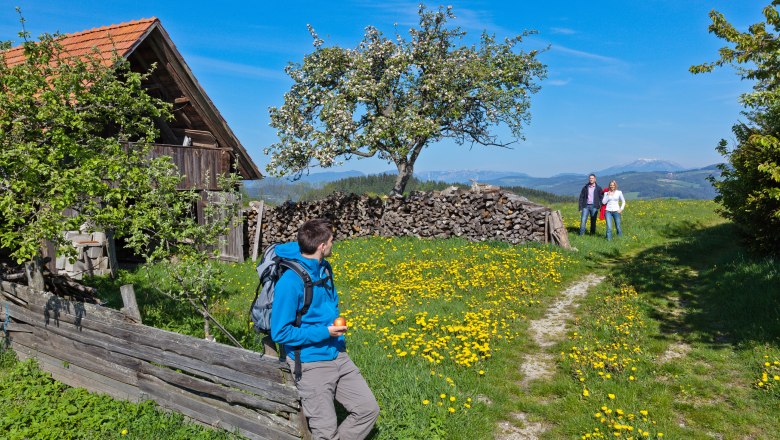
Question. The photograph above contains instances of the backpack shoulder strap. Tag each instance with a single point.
(308, 287)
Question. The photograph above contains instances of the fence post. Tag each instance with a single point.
(131, 305)
(258, 231)
(113, 262)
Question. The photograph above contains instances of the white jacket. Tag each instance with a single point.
(614, 200)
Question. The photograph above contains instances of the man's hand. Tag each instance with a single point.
(337, 330)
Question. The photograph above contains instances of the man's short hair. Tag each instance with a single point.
(591, 174)
(313, 233)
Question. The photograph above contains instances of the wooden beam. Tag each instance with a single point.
(258, 231)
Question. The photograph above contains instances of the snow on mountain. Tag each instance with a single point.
(642, 165)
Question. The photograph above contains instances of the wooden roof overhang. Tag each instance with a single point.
(145, 43)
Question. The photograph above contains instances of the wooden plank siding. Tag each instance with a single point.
(99, 349)
(200, 166)
(231, 246)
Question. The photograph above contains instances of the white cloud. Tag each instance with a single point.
(237, 69)
(564, 31)
(643, 125)
(558, 82)
(583, 54)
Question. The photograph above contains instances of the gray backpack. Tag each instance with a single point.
(270, 269)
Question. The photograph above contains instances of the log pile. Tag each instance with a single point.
(476, 215)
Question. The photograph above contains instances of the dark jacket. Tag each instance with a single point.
(597, 194)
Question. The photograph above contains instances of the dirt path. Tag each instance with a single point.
(546, 332)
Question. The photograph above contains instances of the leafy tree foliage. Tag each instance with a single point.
(65, 124)
(75, 144)
(173, 241)
(750, 187)
(392, 98)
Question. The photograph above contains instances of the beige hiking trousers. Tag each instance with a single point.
(340, 378)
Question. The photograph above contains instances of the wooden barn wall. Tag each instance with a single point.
(102, 350)
(231, 246)
(196, 163)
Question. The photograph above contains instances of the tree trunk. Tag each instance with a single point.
(405, 167)
(206, 326)
(405, 171)
(34, 271)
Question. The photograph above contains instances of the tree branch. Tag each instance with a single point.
(214, 320)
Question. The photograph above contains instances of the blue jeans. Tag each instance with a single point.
(593, 212)
(609, 216)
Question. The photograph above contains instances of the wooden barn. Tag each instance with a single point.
(198, 139)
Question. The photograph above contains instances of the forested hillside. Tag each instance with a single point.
(275, 191)
(691, 184)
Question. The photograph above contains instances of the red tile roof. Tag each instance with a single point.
(120, 37)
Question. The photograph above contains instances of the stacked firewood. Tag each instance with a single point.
(477, 215)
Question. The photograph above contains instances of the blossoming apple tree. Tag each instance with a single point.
(392, 98)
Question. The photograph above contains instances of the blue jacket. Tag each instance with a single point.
(312, 336)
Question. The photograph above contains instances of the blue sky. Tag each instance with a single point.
(618, 85)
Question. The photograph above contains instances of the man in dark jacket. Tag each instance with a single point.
(589, 204)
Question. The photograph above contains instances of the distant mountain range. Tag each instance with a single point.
(643, 178)
(642, 165)
(688, 184)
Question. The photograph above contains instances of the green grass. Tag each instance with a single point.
(37, 407)
(676, 278)
(697, 291)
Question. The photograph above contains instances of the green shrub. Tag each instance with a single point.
(750, 187)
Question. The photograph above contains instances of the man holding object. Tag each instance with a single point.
(327, 372)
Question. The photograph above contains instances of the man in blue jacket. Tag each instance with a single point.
(327, 370)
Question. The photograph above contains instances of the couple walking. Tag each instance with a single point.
(593, 199)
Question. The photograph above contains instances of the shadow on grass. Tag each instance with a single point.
(704, 284)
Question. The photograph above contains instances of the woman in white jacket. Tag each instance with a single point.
(616, 203)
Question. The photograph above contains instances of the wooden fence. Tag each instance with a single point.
(106, 351)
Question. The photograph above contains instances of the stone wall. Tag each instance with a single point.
(474, 215)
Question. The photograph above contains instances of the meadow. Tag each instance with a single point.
(680, 341)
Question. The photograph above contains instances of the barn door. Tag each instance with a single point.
(231, 246)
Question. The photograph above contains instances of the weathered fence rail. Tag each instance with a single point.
(105, 351)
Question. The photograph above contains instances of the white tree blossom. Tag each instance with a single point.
(392, 98)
